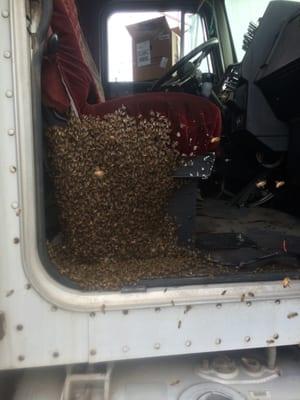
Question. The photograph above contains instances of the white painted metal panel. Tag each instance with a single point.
(9, 253)
(196, 329)
(36, 333)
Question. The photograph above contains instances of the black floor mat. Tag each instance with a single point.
(223, 241)
(241, 237)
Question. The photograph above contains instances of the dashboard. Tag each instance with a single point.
(261, 91)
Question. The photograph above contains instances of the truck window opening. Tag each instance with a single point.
(235, 206)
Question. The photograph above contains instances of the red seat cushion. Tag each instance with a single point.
(195, 120)
(68, 80)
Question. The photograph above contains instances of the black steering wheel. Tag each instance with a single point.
(186, 73)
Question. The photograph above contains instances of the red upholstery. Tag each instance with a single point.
(194, 119)
(70, 72)
(68, 81)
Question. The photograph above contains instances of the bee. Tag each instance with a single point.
(292, 315)
(261, 184)
(286, 283)
(187, 309)
(279, 184)
(175, 383)
(99, 173)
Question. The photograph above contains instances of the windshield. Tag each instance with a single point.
(144, 45)
(240, 14)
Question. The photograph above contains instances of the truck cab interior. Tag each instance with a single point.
(233, 116)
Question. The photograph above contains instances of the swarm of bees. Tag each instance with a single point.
(113, 177)
(113, 180)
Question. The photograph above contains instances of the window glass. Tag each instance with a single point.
(142, 46)
(195, 34)
(240, 14)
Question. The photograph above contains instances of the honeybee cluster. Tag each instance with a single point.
(113, 274)
(113, 179)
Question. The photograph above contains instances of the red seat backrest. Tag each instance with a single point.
(69, 77)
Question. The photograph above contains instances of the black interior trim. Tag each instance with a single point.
(234, 278)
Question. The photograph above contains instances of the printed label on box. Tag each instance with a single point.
(163, 62)
(164, 36)
(143, 54)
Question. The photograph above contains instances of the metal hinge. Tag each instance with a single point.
(87, 385)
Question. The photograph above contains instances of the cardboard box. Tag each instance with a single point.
(155, 48)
